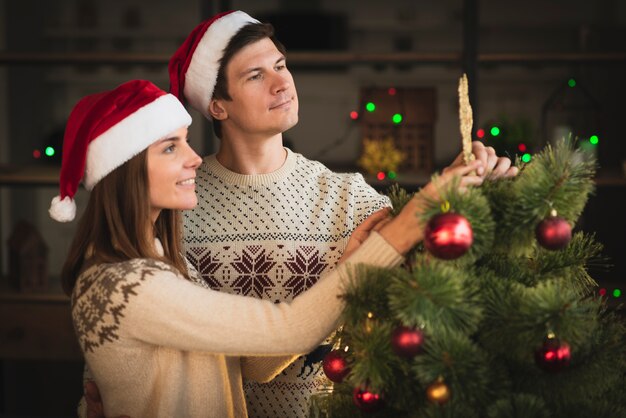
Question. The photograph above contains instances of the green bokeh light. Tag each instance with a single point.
(397, 118)
(617, 293)
(495, 131)
(571, 82)
(594, 139)
(392, 175)
(526, 158)
(370, 107)
(49, 151)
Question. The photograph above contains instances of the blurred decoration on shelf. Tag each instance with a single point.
(406, 114)
(572, 112)
(50, 149)
(509, 136)
(380, 155)
(28, 259)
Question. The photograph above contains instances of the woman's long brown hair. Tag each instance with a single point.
(117, 225)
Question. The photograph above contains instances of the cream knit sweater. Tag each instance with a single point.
(161, 346)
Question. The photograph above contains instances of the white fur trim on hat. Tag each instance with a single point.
(62, 210)
(132, 135)
(201, 74)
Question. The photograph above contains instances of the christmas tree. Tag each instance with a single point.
(495, 315)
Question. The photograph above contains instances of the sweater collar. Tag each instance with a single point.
(252, 179)
(159, 247)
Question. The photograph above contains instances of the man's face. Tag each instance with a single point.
(264, 98)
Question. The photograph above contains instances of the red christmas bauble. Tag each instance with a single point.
(367, 401)
(448, 235)
(335, 366)
(407, 342)
(553, 356)
(553, 233)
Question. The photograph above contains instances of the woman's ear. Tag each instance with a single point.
(216, 110)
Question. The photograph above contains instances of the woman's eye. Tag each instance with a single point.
(170, 149)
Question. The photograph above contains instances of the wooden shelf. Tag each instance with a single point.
(49, 176)
(317, 58)
(35, 175)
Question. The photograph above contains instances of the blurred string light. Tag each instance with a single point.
(354, 115)
(616, 292)
(521, 147)
(36, 153)
(370, 107)
(50, 151)
(396, 118)
(495, 131)
(571, 82)
(391, 175)
(392, 91)
(526, 157)
(480, 133)
(594, 139)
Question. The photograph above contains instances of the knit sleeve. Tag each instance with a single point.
(164, 310)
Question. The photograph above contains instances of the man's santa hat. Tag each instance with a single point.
(107, 129)
(194, 66)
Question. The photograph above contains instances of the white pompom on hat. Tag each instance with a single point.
(194, 66)
(107, 129)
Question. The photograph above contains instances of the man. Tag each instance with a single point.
(269, 221)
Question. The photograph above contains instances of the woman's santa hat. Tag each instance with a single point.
(193, 68)
(107, 129)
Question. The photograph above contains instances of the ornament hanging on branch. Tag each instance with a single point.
(554, 355)
(407, 342)
(448, 235)
(554, 232)
(438, 392)
(367, 401)
(466, 119)
(335, 366)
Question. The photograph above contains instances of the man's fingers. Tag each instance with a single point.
(511, 172)
(501, 167)
(382, 223)
(93, 400)
(91, 391)
(371, 221)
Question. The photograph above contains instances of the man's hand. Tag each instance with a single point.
(373, 223)
(493, 167)
(95, 409)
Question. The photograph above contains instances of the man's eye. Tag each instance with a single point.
(256, 77)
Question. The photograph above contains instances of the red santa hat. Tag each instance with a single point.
(193, 67)
(107, 129)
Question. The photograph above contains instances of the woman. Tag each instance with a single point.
(157, 343)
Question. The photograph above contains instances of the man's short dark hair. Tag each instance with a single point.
(249, 34)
